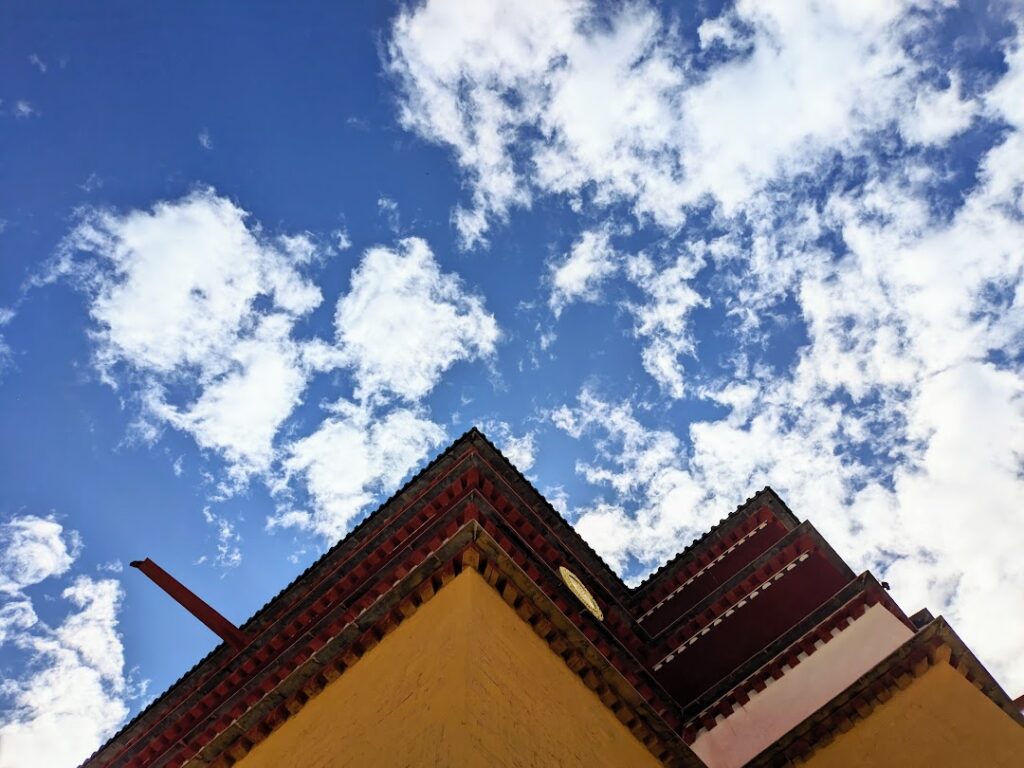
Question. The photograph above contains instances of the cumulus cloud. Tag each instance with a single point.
(15, 616)
(195, 312)
(239, 413)
(72, 692)
(32, 549)
(196, 306)
(73, 696)
(404, 322)
(401, 325)
(352, 457)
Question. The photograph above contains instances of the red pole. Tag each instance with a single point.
(192, 603)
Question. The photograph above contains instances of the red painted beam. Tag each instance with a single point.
(192, 603)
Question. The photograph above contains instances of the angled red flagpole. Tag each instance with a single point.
(192, 603)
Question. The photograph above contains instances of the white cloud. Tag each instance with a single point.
(239, 413)
(645, 470)
(899, 427)
(229, 555)
(1002, 99)
(195, 311)
(174, 288)
(521, 450)
(71, 694)
(404, 322)
(5, 354)
(490, 50)
(353, 456)
(15, 616)
(23, 110)
(37, 62)
(204, 139)
(92, 183)
(896, 431)
(32, 549)
(72, 697)
(520, 95)
(175, 298)
(663, 318)
(388, 208)
(7, 314)
(579, 274)
(938, 115)
(342, 241)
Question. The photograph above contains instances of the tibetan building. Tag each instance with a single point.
(465, 623)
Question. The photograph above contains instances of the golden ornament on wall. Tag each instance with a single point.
(572, 581)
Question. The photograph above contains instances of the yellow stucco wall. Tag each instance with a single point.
(462, 683)
(939, 720)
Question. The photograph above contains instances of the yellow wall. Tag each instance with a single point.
(939, 720)
(462, 683)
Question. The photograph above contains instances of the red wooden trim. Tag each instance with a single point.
(192, 603)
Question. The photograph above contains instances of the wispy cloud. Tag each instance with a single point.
(92, 183)
(229, 554)
(388, 208)
(579, 274)
(23, 110)
(6, 316)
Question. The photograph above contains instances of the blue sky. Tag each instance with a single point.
(257, 265)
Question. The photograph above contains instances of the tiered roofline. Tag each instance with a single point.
(743, 605)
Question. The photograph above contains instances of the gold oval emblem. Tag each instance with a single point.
(575, 586)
